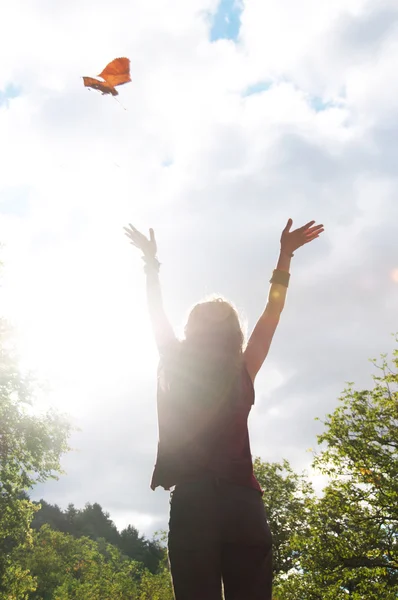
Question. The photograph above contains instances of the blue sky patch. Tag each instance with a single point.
(225, 23)
(14, 201)
(318, 104)
(9, 92)
(257, 88)
(167, 163)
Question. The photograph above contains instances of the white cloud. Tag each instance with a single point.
(239, 167)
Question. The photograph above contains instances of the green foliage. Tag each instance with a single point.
(66, 567)
(30, 450)
(94, 523)
(350, 548)
(137, 547)
(287, 499)
(158, 586)
(16, 582)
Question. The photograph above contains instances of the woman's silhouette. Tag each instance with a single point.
(218, 530)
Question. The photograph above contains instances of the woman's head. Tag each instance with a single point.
(209, 360)
(214, 325)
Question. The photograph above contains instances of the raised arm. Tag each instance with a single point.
(261, 338)
(163, 331)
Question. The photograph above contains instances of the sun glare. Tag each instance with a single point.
(81, 343)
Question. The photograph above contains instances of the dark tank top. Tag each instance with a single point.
(199, 441)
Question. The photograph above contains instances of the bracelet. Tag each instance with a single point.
(280, 277)
(151, 264)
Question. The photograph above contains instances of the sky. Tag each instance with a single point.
(239, 115)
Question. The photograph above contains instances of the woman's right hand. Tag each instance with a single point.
(139, 240)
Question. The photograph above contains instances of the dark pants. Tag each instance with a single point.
(219, 535)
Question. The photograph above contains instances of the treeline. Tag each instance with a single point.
(341, 544)
(94, 523)
(59, 566)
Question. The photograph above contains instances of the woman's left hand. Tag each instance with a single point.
(292, 240)
(147, 246)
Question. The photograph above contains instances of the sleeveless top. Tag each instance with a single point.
(198, 441)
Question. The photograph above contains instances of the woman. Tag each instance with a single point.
(218, 532)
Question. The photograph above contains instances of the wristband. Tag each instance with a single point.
(151, 264)
(280, 277)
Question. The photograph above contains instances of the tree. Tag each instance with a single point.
(156, 586)
(137, 547)
(30, 450)
(52, 515)
(66, 568)
(350, 549)
(287, 499)
(96, 524)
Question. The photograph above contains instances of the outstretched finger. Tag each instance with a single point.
(130, 233)
(134, 229)
(311, 237)
(288, 226)
(317, 228)
(133, 240)
(307, 226)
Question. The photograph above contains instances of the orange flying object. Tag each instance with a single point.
(115, 73)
